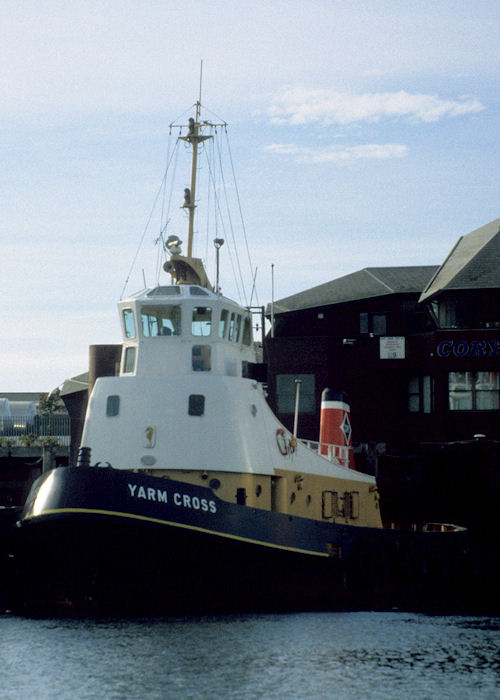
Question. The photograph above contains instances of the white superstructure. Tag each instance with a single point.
(184, 398)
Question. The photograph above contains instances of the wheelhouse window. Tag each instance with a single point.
(201, 358)
(247, 332)
(198, 292)
(223, 323)
(474, 391)
(201, 324)
(285, 390)
(237, 329)
(129, 323)
(161, 320)
(129, 360)
(172, 290)
(421, 394)
(231, 326)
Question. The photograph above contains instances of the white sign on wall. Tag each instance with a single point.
(392, 348)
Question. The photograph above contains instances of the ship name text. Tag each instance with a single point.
(183, 500)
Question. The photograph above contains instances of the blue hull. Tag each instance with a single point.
(104, 540)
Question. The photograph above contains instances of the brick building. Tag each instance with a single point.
(416, 349)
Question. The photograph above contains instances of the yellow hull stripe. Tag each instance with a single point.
(93, 511)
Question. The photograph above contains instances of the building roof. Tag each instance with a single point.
(474, 263)
(22, 395)
(78, 383)
(364, 284)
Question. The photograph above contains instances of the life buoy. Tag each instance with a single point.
(283, 443)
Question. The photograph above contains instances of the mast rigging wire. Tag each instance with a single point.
(241, 213)
(162, 185)
(219, 217)
(229, 218)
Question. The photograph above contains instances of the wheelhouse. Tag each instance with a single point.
(158, 324)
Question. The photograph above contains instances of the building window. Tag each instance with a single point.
(285, 391)
(474, 391)
(421, 394)
(113, 405)
(129, 360)
(374, 323)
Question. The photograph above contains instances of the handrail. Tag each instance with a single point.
(333, 453)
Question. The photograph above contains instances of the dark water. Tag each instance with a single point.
(329, 655)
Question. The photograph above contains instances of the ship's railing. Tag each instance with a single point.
(333, 453)
(30, 431)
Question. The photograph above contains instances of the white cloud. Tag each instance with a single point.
(333, 154)
(305, 106)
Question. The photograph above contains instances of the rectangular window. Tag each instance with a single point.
(161, 320)
(129, 323)
(285, 390)
(247, 332)
(231, 327)
(474, 391)
(421, 394)
(223, 323)
(129, 360)
(427, 393)
(379, 324)
(202, 321)
(238, 329)
(201, 358)
(113, 405)
(414, 395)
(196, 406)
(375, 323)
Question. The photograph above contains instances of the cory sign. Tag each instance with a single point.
(472, 348)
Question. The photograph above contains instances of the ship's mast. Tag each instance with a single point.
(194, 137)
(188, 269)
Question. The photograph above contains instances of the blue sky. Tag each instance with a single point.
(362, 134)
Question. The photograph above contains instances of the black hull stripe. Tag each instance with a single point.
(94, 511)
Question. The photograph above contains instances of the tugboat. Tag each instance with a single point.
(189, 495)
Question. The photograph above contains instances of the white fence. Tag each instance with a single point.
(27, 431)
